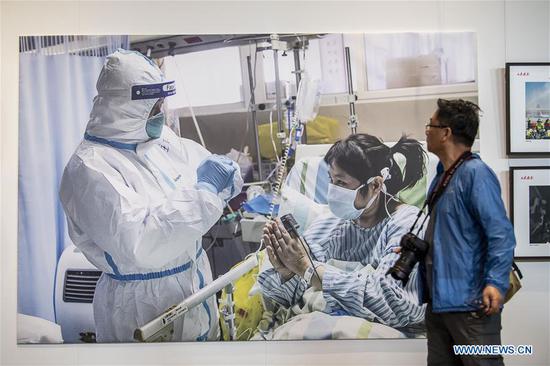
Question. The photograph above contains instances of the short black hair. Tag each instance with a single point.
(462, 117)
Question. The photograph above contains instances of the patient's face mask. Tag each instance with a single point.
(341, 202)
(154, 124)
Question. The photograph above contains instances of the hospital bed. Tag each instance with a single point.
(304, 194)
(250, 316)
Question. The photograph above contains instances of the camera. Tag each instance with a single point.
(413, 249)
(290, 225)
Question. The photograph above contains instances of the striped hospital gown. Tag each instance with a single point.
(365, 293)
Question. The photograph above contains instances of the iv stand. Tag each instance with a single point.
(276, 45)
(352, 121)
(298, 73)
(254, 116)
(278, 88)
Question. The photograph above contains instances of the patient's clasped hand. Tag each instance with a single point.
(285, 253)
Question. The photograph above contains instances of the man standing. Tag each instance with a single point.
(466, 270)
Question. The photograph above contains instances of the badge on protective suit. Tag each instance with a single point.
(153, 91)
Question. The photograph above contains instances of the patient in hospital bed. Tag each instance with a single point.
(346, 292)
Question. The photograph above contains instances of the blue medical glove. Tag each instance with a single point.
(236, 187)
(216, 174)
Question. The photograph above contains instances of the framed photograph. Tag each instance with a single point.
(530, 210)
(528, 109)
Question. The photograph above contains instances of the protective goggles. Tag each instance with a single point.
(153, 91)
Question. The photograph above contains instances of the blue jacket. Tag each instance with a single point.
(473, 238)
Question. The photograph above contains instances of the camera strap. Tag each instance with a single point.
(438, 191)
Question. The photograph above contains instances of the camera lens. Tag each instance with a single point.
(398, 274)
(412, 249)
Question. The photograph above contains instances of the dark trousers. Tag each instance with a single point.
(468, 328)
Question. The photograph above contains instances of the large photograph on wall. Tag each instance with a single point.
(231, 187)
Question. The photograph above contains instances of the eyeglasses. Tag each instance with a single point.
(429, 125)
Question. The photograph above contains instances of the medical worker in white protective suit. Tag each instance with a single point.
(138, 199)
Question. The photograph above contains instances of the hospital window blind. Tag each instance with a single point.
(403, 60)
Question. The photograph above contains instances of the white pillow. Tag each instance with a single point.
(31, 329)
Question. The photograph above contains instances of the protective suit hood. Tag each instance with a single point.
(115, 116)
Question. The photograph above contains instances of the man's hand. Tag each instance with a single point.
(492, 300)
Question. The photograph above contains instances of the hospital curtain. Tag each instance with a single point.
(57, 77)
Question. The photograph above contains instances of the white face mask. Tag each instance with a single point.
(341, 202)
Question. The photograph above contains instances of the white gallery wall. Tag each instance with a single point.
(511, 31)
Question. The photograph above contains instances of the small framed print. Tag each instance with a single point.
(528, 109)
(530, 210)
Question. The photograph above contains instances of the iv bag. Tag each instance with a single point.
(307, 100)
